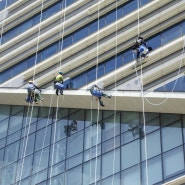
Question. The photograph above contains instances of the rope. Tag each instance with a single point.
(97, 121)
(143, 103)
(2, 29)
(96, 160)
(44, 139)
(22, 164)
(56, 116)
(115, 103)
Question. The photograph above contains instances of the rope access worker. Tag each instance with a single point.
(58, 83)
(141, 48)
(34, 93)
(96, 91)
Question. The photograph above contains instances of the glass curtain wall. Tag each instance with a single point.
(76, 146)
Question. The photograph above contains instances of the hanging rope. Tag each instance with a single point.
(38, 38)
(56, 115)
(143, 103)
(97, 121)
(115, 103)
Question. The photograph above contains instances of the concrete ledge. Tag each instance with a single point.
(178, 181)
(121, 100)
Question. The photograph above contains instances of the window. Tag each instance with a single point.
(173, 162)
(169, 142)
(131, 176)
(170, 34)
(108, 163)
(130, 154)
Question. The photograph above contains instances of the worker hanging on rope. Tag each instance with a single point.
(58, 83)
(34, 93)
(97, 92)
(140, 47)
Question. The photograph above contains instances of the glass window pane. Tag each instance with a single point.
(130, 154)
(57, 169)
(110, 163)
(173, 162)
(111, 127)
(25, 167)
(169, 118)
(30, 115)
(171, 136)
(4, 128)
(39, 177)
(170, 34)
(9, 174)
(129, 120)
(5, 111)
(129, 7)
(41, 159)
(153, 172)
(58, 130)
(131, 176)
(92, 134)
(11, 153)
(13, 137)
(78, 117)
(75, 144)
(15, 122)
(90, 169)
(110, 66)
(111, 17)
(153, 145)
(115, 180)
(92, 153)
(59, 152)
(1, 158)
(111, 144)
(42, 138)
(75, 172)
(27, 142)
(57, 180)
(74, 161)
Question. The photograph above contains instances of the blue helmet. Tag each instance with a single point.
(60, 73)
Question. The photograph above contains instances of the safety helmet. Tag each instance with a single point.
(60, 73)
(30, 82)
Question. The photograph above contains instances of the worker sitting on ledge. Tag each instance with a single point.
(34, 93)
(96, 92)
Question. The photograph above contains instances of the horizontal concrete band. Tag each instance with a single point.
(168, 102)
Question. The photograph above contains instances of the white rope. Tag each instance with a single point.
(115, 103)
(49, 113)
(97, 121)
(97, 131)
(54, 137)
(2, 29)
(56, 115)
(22, 164)
(143, 103)
(90, 144)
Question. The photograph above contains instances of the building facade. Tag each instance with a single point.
(138, 138)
